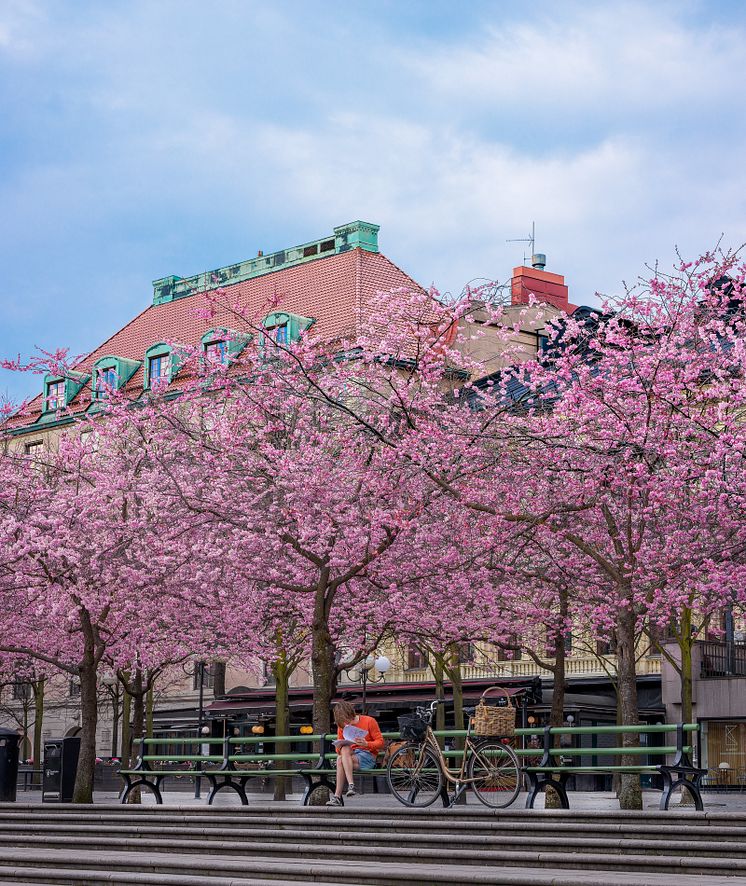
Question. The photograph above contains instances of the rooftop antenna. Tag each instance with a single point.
(530, 239)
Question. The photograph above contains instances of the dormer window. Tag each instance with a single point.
(221, 346)
(284, 328)
(161, 365)
(111, 374)
(279, 334)
(158, 368)
(106, 381)
(55, 398)
(59, 392)
(216, 353)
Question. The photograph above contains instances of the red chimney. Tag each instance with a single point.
(543, 285)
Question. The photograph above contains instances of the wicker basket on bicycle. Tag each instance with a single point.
(491, 719)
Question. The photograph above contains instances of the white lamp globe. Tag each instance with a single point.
(382, 664)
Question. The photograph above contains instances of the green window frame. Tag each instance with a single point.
(283, 328)
(118, 370)
(233, 343)
(60, 390)
(160, 355)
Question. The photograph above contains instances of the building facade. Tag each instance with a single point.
(324, 284)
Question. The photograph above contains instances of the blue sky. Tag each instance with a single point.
(141, 139)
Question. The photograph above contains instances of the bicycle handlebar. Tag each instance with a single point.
(428, 711)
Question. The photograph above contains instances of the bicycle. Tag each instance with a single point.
(417, 772)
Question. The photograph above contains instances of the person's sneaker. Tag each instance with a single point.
(351, 791)
(334, 800)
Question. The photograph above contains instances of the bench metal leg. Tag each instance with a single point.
(313, 784)
(670, 785)
(540, 782)
(154, 787)
(227, 782)
(533, 791)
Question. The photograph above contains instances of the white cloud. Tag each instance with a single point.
(22, 28)
(175, 142)
(601, 60)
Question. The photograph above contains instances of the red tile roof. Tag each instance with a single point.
(329, 290)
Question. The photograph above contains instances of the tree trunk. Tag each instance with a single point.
(630, 792)
(323, 668)
(440, 713)
(282, 715)
(322, 664)
(218, 669)
(83, 789)
(39, 687)
(685, 646)
(138, 721)
(126, 753)
(149, 713)
(454, 674)
(557, 712)
(115, 721)
(25, 741)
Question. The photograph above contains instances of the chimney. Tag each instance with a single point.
(543, 285)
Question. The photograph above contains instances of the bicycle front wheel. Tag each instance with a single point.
(414, 776)
(495, 774)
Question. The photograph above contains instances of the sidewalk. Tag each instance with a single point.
(579, 800)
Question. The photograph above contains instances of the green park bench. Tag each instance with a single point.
(233, 766)
(546, 766)
(557, 765)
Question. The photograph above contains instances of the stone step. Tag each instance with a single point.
(209, 871)
(391, 845)
(381, 818)
(54, 876)
(477, 812)
(374, 828)
(334, 865)
(685, 839)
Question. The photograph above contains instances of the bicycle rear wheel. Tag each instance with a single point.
(496, 774)
(414, 776)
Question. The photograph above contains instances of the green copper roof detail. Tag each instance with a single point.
(357, 234)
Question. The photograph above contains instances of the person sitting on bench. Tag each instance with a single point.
(359, 741)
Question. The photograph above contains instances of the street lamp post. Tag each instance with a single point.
(378, 663)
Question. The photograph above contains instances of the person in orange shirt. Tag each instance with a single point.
(359, 753)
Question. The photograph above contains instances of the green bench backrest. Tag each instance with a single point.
(237, 753)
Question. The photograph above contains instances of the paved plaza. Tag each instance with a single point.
(580, 801)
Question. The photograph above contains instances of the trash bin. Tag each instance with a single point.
(9, 742)
(60, 769)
